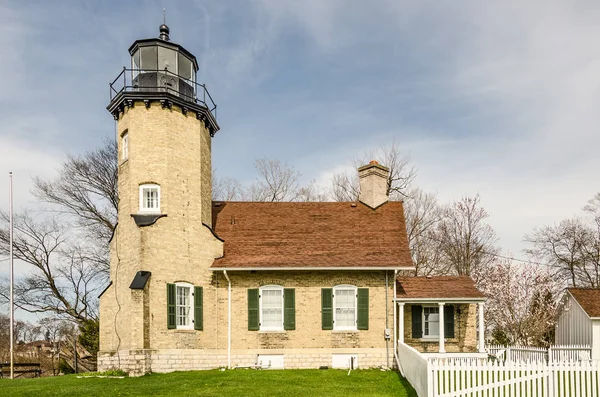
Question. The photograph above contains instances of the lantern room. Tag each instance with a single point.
(159, 64)
(165, 72)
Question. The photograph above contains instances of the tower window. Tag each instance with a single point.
(150, 198)
(124, 146)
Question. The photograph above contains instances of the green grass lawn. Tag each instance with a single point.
(240, 382)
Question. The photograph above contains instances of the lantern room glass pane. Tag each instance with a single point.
(135, 60)
(167, 59)
(185, 67)
(149, 58)
(135, 64)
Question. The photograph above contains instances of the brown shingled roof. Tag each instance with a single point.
(451, 287)
(588, 298)
(310, 235)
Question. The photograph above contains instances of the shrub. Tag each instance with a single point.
(64, 367)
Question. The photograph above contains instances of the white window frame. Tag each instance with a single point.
(124, 146)
(335, 306)
(423, 321)
(261, 291)
(143, 208)
(190, 288)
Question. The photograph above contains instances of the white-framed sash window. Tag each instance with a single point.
(431, 321)
(344, 304)
(149, 198)
(184, 306)
(271, 308)
(124, 146)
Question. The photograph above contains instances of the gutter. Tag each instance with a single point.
(228, 319)
(440, 299)
(307, 268)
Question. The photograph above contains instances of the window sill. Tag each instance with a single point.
(272, 331)
(146, 219)
(345, 331)
(184, 331)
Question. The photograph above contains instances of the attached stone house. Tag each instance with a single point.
(197, 284)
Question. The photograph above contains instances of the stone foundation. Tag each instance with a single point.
(140, 362)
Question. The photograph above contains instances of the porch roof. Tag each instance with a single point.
(438, 289)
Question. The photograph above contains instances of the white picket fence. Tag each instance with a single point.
(555, 353)
(478, 379)
(527, 372)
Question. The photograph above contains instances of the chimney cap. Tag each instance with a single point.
(373, 164)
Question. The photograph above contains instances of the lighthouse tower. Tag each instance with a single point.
(163, 244)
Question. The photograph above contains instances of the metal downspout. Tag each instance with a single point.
(394, 336)
(387, 322)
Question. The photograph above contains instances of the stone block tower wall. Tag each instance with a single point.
(171, 149)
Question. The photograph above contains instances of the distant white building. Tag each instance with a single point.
(579, 319)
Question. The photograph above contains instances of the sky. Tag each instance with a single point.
(499, 99)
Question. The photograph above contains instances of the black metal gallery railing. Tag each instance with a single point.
(144, 80)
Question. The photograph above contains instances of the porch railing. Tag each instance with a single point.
(415, 368)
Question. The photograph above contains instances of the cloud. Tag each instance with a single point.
(497, 98)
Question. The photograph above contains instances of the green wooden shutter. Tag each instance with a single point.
(253, 322)
(362, 321)
(327, 308)
(198, 312)
(171, 297)
(417, 321)
(289, 308)
(449, 321)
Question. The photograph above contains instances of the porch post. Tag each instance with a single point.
(441, 326)
(401, 323)
(481, 329)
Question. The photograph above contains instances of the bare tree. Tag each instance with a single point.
(311, 193)
(570, 248)
(86, 192)
(226, 189)
(345, 187)
(62, 279)
(423, 213)
(24, 332)
(276, 181)
(466, 241)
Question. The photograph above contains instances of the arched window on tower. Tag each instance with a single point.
(124, 146)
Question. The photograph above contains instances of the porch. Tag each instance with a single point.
(440, 316)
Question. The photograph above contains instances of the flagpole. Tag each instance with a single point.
(12, 311)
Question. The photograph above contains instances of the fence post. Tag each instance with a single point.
(550, 358)
(508, 355)
(430, 375)
(550, 377)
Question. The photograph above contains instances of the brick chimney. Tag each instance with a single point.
(373, 184)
